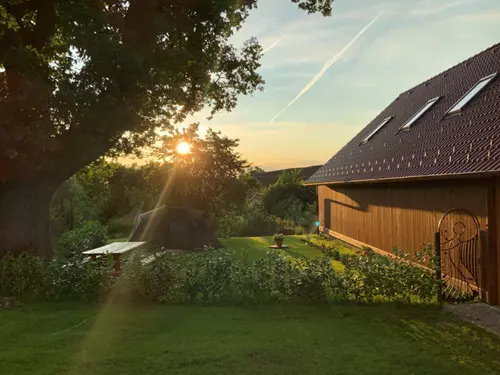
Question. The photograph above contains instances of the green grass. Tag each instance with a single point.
(111, 240)
(256, 247)
(162, 339)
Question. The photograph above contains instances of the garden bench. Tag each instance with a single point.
(116, 249)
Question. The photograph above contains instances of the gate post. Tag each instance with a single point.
(437, 256)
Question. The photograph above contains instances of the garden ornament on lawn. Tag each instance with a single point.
(278, 239)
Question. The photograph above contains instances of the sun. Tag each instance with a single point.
(183, 148)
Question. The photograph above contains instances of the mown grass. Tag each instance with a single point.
(256, 247)
(112, 240)
(163, 339)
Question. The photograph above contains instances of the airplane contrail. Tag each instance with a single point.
(267, 49)
(327, 65)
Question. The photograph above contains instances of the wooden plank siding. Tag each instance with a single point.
(492, 258)
(397, 215)
(406, 215)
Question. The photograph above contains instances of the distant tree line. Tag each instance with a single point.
(214, 177)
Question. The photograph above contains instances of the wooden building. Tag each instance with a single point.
(435, 148)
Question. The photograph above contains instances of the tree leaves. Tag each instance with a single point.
(90, 72)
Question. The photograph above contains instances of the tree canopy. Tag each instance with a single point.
(80, 79)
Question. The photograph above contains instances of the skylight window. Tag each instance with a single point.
(483, 82)
(420, 113)
(382, 124)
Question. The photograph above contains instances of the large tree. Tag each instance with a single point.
(82, 78)
(208, 178)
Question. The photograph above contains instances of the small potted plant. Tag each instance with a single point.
(278, 238)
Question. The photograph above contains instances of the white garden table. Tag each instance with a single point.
(116, 249)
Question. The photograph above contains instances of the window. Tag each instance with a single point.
(419, 114)
(367, 138)
(483, 82)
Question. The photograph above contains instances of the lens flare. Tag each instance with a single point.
(183, 148)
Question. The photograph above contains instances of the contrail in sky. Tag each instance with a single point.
(267, 49)
(327, 65)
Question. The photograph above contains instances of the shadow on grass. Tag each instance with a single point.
(463, 343)
(383, 338)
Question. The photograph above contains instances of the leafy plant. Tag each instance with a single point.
(278, 238)
(120, 227)
(91, 235)
(230, 223)
(334, 248)
(28, 277)
(398, 278)
(224, 276)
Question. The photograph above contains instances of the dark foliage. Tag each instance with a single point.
(84, 79)
(89, 236)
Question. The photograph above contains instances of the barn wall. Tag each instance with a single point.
(492, 256)
(397, 215)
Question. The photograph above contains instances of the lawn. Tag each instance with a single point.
(112, 240)
(162, 339)
(256, 247)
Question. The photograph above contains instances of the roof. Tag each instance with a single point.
(436, 145)
(269, 178)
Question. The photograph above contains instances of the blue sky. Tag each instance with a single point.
(411, 41)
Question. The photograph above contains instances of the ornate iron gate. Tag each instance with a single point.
(458, 253)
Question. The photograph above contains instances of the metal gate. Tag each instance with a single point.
(458, 255)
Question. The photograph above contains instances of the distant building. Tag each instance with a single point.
(436, 147)
(269, 178)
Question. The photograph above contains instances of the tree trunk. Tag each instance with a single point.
(24, 218)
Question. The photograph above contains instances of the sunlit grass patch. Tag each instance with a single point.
(291, 339)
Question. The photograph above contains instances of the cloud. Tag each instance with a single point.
(482, 16)
(365, 85)
(427, 8)
(327, 66)
(270, 47)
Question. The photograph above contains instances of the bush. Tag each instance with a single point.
(278, 238)
(299, 230)
(334, 248)
(257, 221)
(91, 235)
(118, 228)
(398, 279)
(229, 224)
(78, 280)
(28, 277)
(225, 276)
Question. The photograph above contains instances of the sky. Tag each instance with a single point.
(327, 78)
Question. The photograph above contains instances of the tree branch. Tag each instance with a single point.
(139, 31)
(46, 21)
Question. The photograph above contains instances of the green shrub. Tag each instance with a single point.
(21, 275)
(91, 235)
(399, 278)
(119, 228)
(78, 280)
(229, 224)
(224, 276)
(28, 277)
(299, 230)
(258, 222)
(278, 238)
(329, 246)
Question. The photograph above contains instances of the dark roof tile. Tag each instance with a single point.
(435, 145)
(269, 178)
